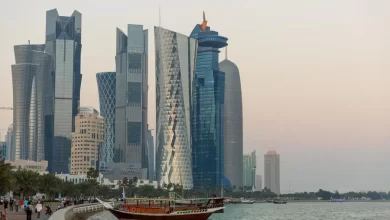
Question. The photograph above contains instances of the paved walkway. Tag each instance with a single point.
(22, 216)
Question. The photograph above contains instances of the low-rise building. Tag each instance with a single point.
(40, 167)
(142, 182)
(117, 171)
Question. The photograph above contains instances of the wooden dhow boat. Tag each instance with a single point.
(166, 209)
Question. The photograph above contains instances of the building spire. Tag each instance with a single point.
(159, 16)
(204, 23)
(226, 53)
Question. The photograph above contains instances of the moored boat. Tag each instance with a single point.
(280, 201)
(166, 209)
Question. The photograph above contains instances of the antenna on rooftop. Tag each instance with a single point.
(159, 16)
(226, 53)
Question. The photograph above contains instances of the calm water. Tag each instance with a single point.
(298, 210)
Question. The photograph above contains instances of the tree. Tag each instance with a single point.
(49, 184)
(5, 176)
(92, 173)
(125, 181)
(26, 181)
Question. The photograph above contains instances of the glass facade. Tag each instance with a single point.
(249, 170)
(233, 124)
(106, 82)
(175, 65)
(63, 42)
(29, 75)
(131, 96)
(208, 110)
(8, 139)
(151, 154)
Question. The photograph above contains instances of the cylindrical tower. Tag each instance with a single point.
(233, 123)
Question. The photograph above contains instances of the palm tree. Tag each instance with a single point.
(49, 184)
(92, 173)
(26, 181)
(5, 176)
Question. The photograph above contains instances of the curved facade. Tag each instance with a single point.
(29, 77)
(175, 64)
(106, 82)
(233, 123)
(22, 80)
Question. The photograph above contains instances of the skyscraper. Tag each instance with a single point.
(233, 123)
(131, 95)
(272, 171)
(63, 42)
(8, 139)
(151, 156)
(175, 65)
(249, 171)
(207, 109)
(106, 82)
(88, 135)
(30, 75)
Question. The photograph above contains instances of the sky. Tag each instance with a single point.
(315, 75)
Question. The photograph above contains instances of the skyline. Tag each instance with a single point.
(344, 44)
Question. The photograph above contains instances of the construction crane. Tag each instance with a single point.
(7, 108)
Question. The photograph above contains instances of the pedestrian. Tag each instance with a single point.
(1, 208)
(21, 203)
(5, 207)
(17, 205)
(25, 203)
(11, 205)
(29, 209)
(38, 208)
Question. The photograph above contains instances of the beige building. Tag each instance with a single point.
(272, 171)
(40, 167)
(88, 135)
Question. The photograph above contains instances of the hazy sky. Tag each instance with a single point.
(315, 75)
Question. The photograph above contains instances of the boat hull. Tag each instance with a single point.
(138, 216)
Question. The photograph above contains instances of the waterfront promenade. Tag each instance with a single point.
(21, 215)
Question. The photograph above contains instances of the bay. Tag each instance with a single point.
(296, 211)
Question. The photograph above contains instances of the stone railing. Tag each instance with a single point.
(78, 212)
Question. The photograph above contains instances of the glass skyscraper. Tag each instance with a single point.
(63, 42)
(207, 109)
(30, 75)
(249, 169)
(131, 103)
(106, 82)
(175, 65)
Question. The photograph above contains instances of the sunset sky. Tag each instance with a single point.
(315, 75)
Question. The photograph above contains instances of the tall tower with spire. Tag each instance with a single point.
(207, 108)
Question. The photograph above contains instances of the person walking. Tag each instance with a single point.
(5, 207)
(1, 208)
(29, 209)
(11, 205)
(38, 208)
(17, 203)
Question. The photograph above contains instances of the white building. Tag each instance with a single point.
(272, 171)
(147, 183)
(258, 183)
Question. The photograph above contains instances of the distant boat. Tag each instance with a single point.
(241, 201)
(337, 200)
(279, 201)
(247, 201)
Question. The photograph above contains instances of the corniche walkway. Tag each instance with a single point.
(21, 215)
